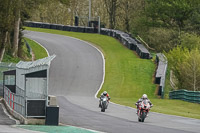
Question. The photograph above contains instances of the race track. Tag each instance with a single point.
(76, 74)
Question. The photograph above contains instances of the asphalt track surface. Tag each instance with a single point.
(76, 74)
(6, 124)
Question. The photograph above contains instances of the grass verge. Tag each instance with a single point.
(38, 51)
(128, 77)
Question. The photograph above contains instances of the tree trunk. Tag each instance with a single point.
(111, 7)
(16, 34)
(73, 9)
(2, 49)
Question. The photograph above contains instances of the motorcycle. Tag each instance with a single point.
(103, 103)
(144, 108)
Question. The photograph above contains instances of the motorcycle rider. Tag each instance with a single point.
(144, 97)
(102, 95)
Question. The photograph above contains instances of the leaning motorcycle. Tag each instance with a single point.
(103, 103)
(144, 108)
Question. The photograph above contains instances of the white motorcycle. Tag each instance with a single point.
(103, 103)
(144, 108)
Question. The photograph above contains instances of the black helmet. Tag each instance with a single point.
(104, 93)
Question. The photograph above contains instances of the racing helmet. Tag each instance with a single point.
(144, 96)
(104, 93)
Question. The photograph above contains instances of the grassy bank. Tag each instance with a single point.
(128, 77)
(38, 51)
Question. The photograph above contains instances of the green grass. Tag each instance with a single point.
(128, 77)
(39, 51)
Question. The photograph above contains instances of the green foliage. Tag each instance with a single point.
(24, 53)
(162, 38)
(6, 15)
(175, 58)
(52, 11)
(162, 22)
(190, 71)
(171, 12)
(9, 58)
(66, 2)
(190, 41)
(12, 13)
(184, 61)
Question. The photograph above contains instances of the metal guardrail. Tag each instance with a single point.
(161, 71)
(185, 95)
(28, 47)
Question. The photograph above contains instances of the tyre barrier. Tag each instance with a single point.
(185, 95)
(124, 38)
(161, 62)
(128, 41)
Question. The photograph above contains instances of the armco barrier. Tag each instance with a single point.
(161, 61)
(123, 37)
(185, 95)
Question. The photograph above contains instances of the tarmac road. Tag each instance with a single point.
(77, 73)
(6, 124)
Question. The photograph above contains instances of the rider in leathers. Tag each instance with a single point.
(102, 95)
(144, 97)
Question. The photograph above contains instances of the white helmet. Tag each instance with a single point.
(144, 96)
(104, 93)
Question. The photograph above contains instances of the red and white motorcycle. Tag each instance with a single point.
(144, 108)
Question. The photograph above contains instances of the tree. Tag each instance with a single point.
(172, 13)
(184, 61)
(190, 70)
(111, 7)
(17, 20)
(6, 19)
(21, 7)
(193, 23)
(175, 58)
(126, 9)
(190, 41)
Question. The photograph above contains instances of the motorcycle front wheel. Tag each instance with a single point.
(143, 116)
(102, 109)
